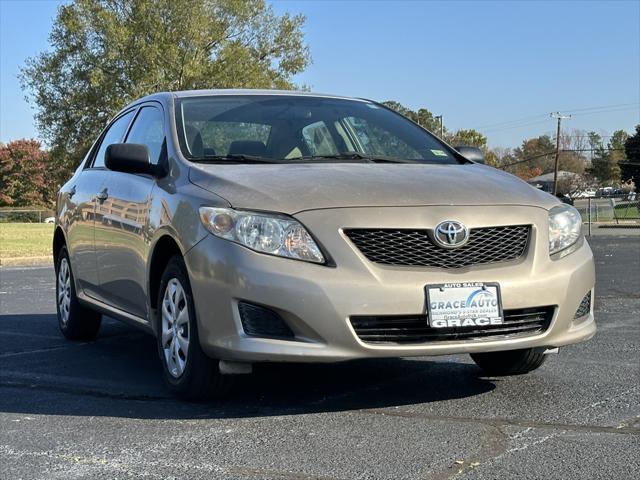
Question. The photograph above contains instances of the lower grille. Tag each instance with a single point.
(403, 329)
(259, 321)
(415, 248)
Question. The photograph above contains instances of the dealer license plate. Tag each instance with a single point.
(471, 304)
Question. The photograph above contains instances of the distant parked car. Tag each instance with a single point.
(50, 220)
(584, 194)
(605, 192)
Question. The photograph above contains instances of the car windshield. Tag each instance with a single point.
(289, 128)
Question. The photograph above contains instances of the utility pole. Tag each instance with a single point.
(439, 117)
(560, 117)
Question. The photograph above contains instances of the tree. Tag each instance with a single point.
(525, 172)
(632, 146)
(471, 138)
(539, 152)
(425, 119)
(26, 176)
(536, 152)
(596, 148)
(106, 53)
(630, 168)
(573, 146)
(617, 143)
(604, 165)
(502, 156)
(422, 117)
(572, 184)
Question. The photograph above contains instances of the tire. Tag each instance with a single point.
(511, 362)
(191, 375)
(76, 322)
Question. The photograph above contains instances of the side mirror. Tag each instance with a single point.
(471, 153)
(129, 158)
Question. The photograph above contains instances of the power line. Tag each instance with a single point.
(612, 110)
(603, 106)
(528, 159)
(586, 136)
(520, 125)
(524, 160)
(511, 121)
(594, 149)
(527, 121)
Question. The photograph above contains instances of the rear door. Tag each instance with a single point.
(122, 236)
(83, 195)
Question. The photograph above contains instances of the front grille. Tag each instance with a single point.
(259, 321)
(403, 329)
(415, 248)
(585, 306)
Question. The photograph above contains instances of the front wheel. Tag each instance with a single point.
(188, 371)
(511, 362)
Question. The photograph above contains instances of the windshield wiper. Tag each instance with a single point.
(350, 156)
(340, 157)
(235, 157)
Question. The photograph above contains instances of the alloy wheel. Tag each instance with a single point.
(175, 328)
(64, 290)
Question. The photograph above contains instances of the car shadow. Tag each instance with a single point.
(119, 375)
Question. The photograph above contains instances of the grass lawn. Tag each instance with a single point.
(25, 240)
(624, 211)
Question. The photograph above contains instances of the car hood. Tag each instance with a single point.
(297, 187)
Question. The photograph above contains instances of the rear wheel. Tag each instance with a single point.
(188, 371)
(76, 321)
(511, 362)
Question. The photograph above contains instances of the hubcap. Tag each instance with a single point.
(64, 290)
(175, 327)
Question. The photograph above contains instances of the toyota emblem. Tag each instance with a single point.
(451, 234)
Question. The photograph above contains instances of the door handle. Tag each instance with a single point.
(72, 192)
(103, 195)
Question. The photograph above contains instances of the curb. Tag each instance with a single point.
(46, 260)
(619, 226)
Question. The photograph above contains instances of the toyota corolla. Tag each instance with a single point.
(251, 226)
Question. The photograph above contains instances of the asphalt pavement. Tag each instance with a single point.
(99, 409)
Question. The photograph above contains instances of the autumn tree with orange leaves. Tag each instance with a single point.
(27, 178)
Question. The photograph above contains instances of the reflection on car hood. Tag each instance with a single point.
(297, 187)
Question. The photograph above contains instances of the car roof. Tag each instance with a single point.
(242, 91)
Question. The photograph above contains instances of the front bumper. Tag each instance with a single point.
(316, 301)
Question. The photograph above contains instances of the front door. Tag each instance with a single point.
(122, 222)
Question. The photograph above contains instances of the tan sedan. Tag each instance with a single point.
(249, 226)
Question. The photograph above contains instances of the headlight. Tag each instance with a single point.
(565, 228)
(262, 232)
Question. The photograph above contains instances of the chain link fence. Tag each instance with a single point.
(619, 211)
(25, 215)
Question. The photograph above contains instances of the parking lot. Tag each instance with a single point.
(99, 410)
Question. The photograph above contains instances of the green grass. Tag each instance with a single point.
(622, 211)
(25, 240)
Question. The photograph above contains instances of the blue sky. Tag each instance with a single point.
(480, 64)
